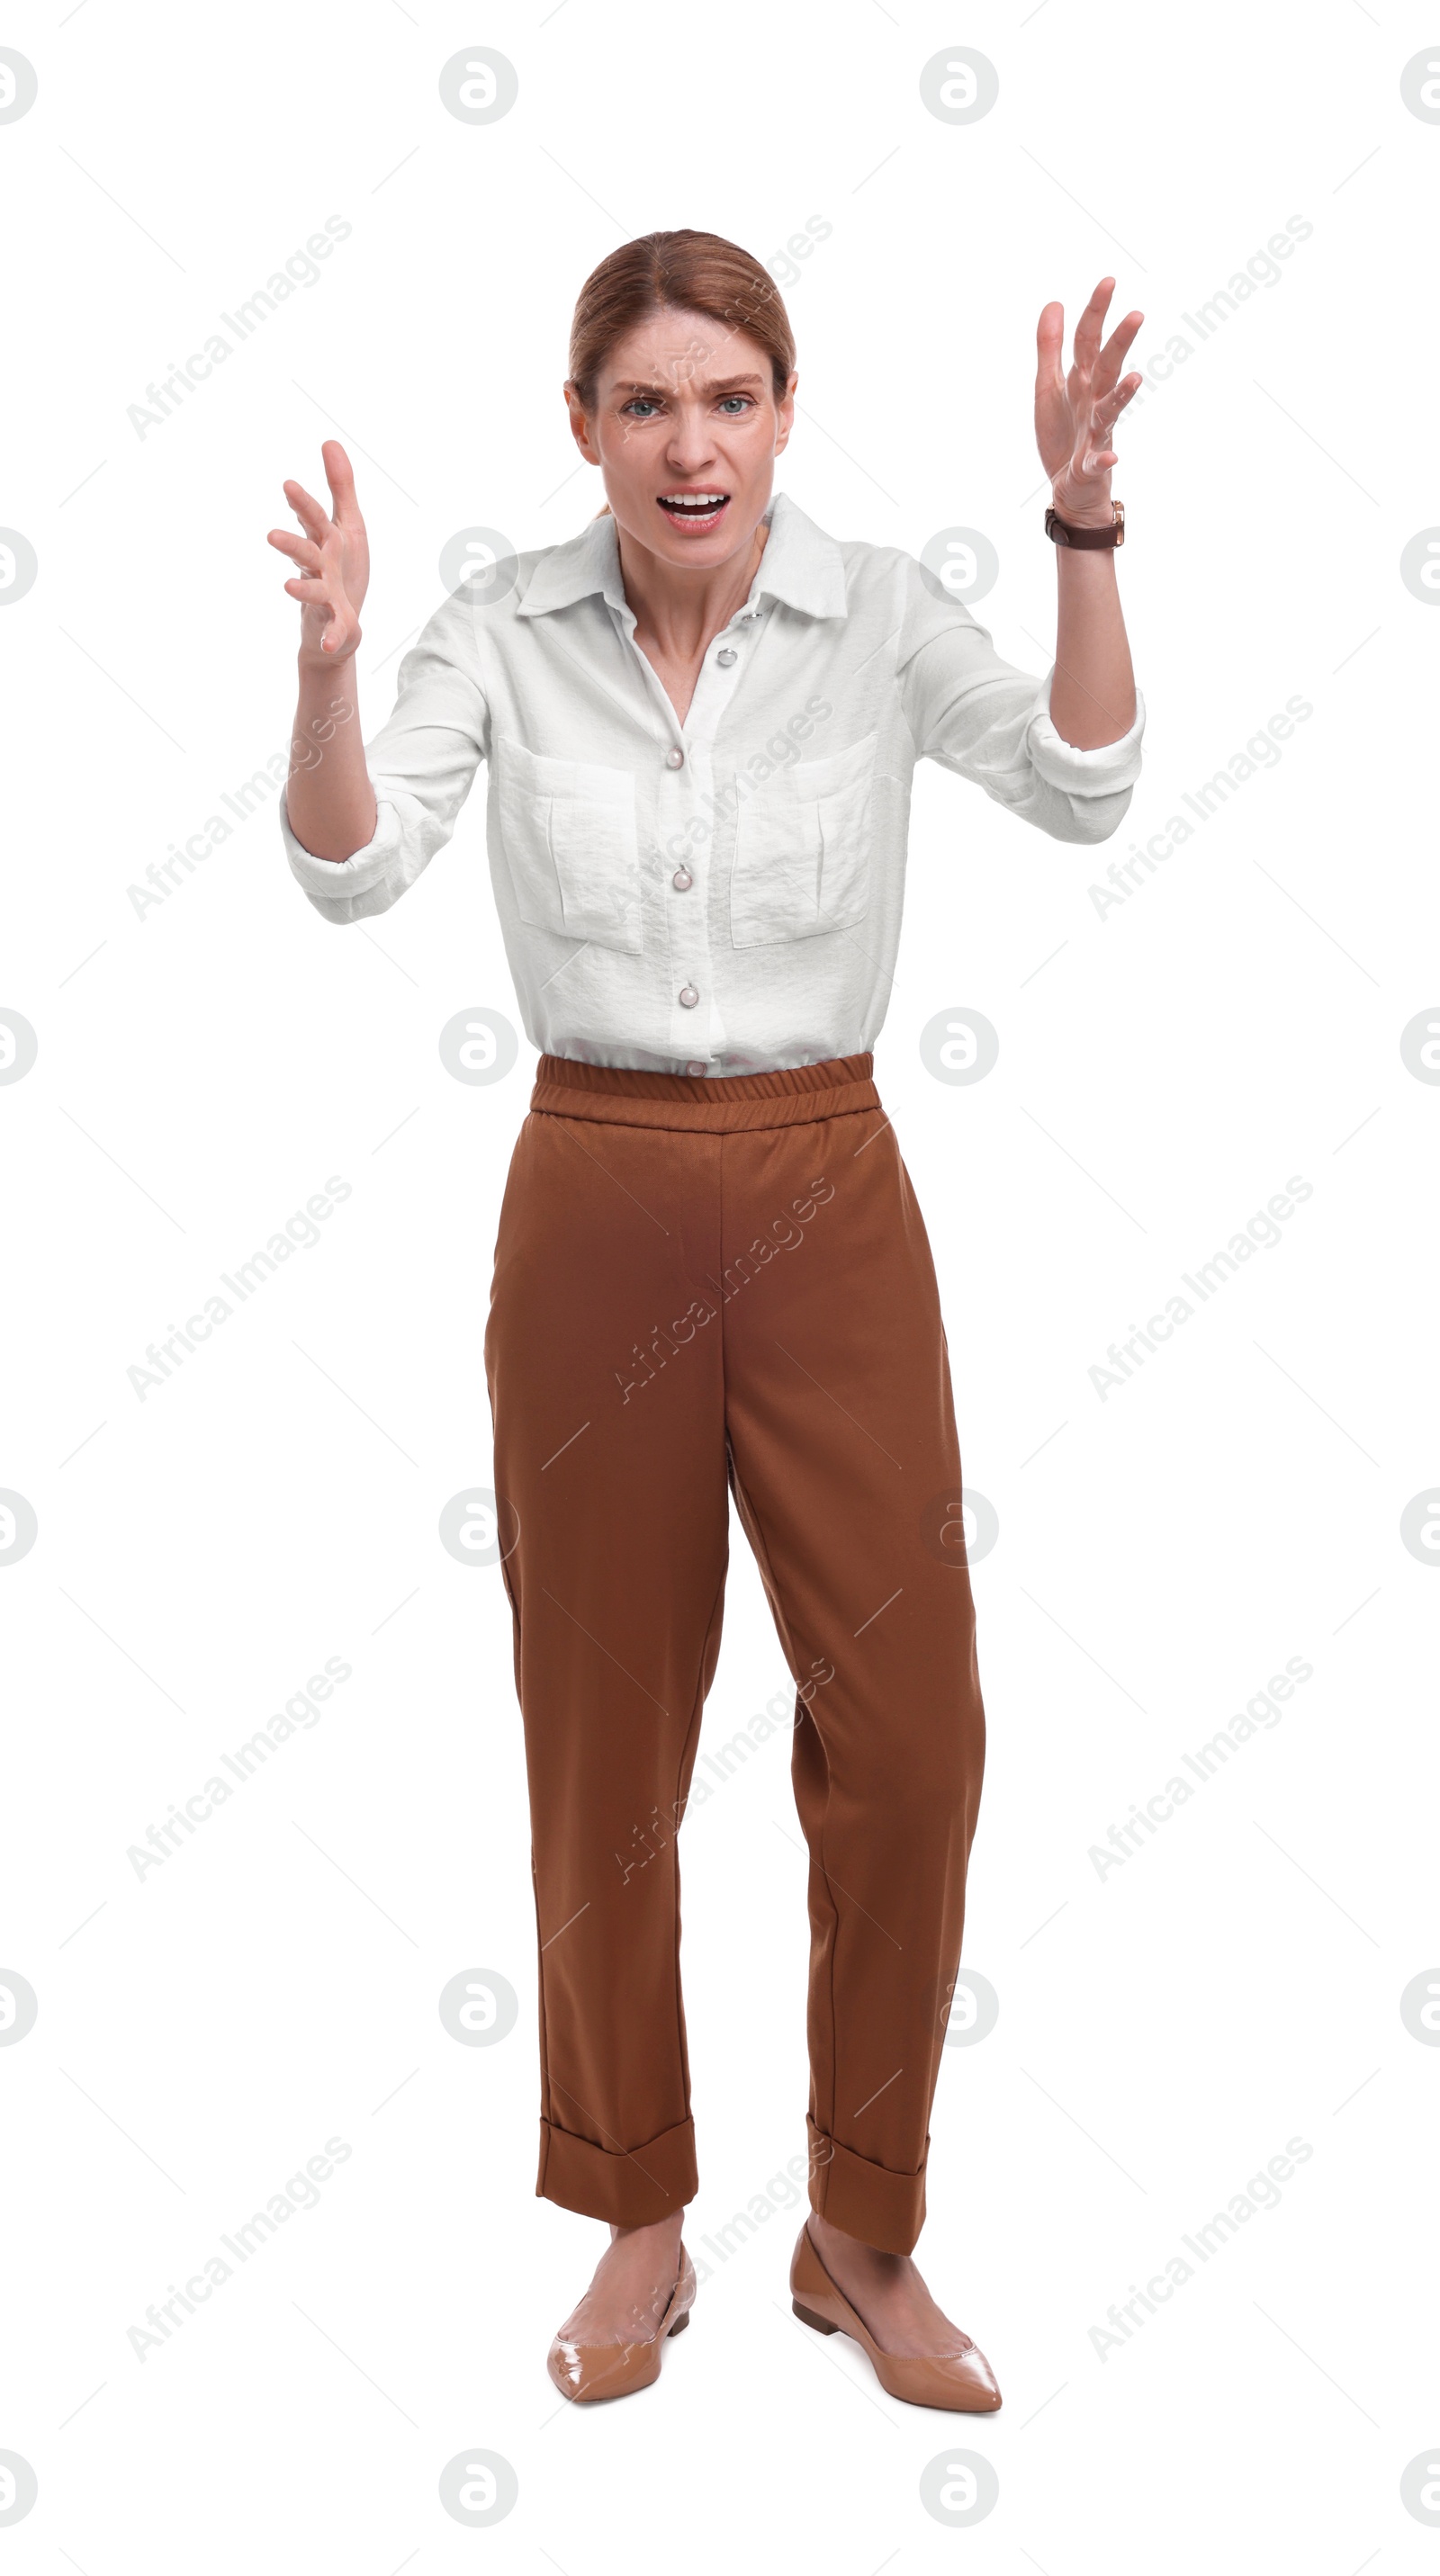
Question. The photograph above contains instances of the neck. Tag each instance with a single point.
(680, 610)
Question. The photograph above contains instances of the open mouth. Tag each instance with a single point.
(694, 509)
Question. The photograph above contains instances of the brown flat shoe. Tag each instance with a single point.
(961, 2381)
(591, 2371)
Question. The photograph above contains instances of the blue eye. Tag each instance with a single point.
(646, 407)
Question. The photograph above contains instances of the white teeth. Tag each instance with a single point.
(693, 500)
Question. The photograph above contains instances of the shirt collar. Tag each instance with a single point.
(801, 565)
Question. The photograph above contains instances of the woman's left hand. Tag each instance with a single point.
(1075, 414)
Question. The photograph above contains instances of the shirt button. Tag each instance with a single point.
(727, 659)
(688, 997)
(675, 759)
(695, 1068)
(682, 881)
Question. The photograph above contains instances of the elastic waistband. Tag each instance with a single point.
(719, 1105)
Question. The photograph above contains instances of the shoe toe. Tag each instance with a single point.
(960, 2383)
(978, 2381)
(566, 2363)
(586, 2371)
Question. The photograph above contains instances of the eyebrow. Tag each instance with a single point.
(720, 385)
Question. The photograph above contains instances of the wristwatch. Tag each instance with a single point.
(1061, 533)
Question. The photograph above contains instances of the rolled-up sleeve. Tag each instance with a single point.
(979, 716)
(421, 764)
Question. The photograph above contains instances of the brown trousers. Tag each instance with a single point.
(701, 1284)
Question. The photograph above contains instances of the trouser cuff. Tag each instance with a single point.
(631, 2188)
(863, 2199)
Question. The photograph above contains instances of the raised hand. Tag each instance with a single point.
(332, 562)
(1075, 414)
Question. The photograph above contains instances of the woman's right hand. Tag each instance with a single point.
(332, 561)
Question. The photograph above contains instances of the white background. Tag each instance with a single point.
(1164, 1068)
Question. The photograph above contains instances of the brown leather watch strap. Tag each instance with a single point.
(1061, 533)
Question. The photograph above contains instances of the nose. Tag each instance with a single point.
(690, 445)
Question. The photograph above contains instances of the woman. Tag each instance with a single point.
(701, 716)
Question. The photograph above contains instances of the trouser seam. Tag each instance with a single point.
(763, 1553)
(690, 1735)
(758, 1542)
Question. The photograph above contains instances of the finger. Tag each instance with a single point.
(340, 627)
(1117, 348)
(342, 620)
(1091, 323)
(1049, 345)
(339, 474)
(299, 549)
(313, 519)
(1108, 411)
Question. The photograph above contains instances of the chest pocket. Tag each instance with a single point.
(568, 828)
(802, 850)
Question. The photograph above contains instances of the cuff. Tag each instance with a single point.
(862, 2199)
(1103, 772)
(630, 2189)
(328, 881)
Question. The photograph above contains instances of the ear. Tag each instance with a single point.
(579, 424)
(786, 412)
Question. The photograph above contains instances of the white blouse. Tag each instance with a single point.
(722, 896)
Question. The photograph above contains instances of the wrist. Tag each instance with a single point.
(322, 681)
(1088, 514)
